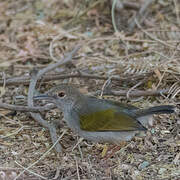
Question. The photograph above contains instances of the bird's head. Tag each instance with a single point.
(63, 96)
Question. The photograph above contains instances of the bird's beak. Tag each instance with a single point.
(41, 97)
(45, 97)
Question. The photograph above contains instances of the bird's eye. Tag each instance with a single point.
(61, 94)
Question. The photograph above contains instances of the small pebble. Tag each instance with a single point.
(152, 130)
(162, 170)
(143, 165)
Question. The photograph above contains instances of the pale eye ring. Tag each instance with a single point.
(61, 94)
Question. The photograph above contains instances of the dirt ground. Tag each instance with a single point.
(145, 61)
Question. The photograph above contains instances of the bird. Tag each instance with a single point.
(100, 120)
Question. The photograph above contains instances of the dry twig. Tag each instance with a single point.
(31, 90)
(51, 77)
(141, 14)
(26, 108)
(135, 93)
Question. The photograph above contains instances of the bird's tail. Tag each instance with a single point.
(165, 109)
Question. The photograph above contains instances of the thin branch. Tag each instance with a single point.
(131, 5)
(141, 14)
(113, 16)
(126, 5)
(135, 93)
(26, 108)
(26, 169)
(51, 77)
(13, 133)
(34, 79)
(77, 169)
(131, 89)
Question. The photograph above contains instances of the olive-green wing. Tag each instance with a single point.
(109, 120)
